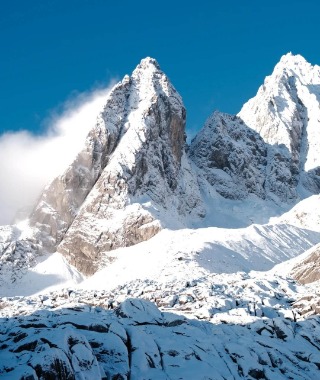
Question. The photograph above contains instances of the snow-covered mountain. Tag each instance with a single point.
(281, 160)
(132, 169)
(133, 177)
(286, 113)
(213, 231)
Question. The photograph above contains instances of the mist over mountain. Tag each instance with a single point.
(35, 160)
(214, 230)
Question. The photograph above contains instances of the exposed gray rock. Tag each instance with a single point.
(17, 253)
(61, 200)
(132, 169)
(232, 157)
(237, 162)
(308, 269)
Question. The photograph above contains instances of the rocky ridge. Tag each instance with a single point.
(230, 156)
(270, 148)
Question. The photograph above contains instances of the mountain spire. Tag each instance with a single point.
(133, 168)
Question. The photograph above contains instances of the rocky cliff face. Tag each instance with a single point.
(236, 161)
(132, 169)
(18, 250)
(307, 270)
(231, 157)
(286, 113)
(271, 148)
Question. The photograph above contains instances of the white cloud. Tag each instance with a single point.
(29, 162)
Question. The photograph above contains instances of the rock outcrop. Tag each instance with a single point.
(232, 157)
(237, 162)
(138, 341)
(308, 269)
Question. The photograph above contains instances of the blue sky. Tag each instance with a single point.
(216, 53)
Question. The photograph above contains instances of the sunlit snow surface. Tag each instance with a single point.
(220, 326)
(183, 253)
(217, 316)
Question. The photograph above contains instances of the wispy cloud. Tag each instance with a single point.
(28, 162)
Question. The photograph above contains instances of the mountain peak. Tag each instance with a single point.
(293, 58)
(147, 66)
(285, 112)
(149, 61)
(132, 171)
(295, 65)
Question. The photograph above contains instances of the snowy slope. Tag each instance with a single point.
(305, 267)
(184, 254)
(306, 214)
(176, 255)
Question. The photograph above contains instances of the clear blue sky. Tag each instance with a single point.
(216, 53)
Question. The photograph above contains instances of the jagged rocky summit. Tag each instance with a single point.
(271, 148)
(286, 113)
(136, 175)
(231, 157)
(132, 169)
